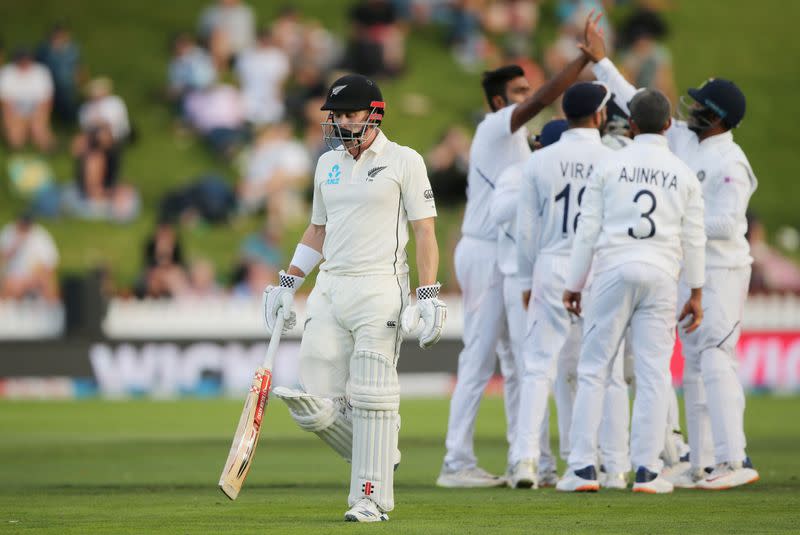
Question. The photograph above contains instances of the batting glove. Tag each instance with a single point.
(278, 300)
(432, 312)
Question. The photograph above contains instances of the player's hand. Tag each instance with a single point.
(593, 46)
(526, 298)
(426, 317)
(572, 302)
(693, 308)
(279, 300)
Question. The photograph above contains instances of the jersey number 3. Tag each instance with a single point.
(636, 233)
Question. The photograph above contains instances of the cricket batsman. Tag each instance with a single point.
(366, 190)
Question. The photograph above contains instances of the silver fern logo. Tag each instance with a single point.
(372, 173)
(338, 89)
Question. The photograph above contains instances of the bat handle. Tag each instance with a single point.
(274, 342)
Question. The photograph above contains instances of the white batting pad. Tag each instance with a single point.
(327, 418)
(375, 397)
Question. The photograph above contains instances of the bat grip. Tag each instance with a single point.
(274, 342)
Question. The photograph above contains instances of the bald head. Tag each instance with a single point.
(650, 111)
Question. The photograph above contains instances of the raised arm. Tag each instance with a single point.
(553, 88)
(605, 71)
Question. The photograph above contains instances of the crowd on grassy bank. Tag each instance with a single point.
(250, 90)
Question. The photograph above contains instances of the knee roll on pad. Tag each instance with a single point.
(373, 382)
(327, 418)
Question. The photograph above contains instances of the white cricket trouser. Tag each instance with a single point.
(673, 411)
(644, 297)
(351, 342)
(714, 397)
(517, 317)
(484, 322)
(346, 314)
(550, 354)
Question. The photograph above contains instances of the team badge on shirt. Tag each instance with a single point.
(701, 175)
(372, 173)
(334, 175)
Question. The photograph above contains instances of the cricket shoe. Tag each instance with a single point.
(650, 482)
(583, 480)
(613, 480)
(468, 478)
(729, 475)
(548, 478)
(365, 510)
(684, 476)
(522, 475)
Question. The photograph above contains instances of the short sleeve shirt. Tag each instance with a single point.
(366, 205)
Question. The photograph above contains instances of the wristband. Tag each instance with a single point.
(305, 258)
(292, 282)
(428, 292)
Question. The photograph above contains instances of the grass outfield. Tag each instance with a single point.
(152, 467)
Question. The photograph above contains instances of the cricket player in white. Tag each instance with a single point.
(366, 191)
(500, 141)
(714, 398)
(617, 135)
(642, 214)
(503, 210)
(553, 183)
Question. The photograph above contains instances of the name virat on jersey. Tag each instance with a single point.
(650, 176)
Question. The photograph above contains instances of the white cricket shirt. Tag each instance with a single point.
(642, 204)
(722, 168)
(494, 148)
(366, 205)
(503, 209)
(551, 196)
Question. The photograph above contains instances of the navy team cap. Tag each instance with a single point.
(724, 98)
(551, 132)
(585, 98)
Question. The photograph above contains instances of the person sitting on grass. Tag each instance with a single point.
(28, 261)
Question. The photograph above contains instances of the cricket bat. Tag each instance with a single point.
(243, 448)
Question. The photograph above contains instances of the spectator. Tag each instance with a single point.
(26, 96)
(448, 163)
(190, 68)
(312, 118)
(105, 109)
(201, 282)
(287, 30)
(228, 28)
(28, 258)
(98, 193)
(262, 72)
(646, 62)
(469, 45)
(378, 39)
(61, 56)
(772, 271)
(275, 171)
(217, 113)
(165, 271)
(321, 49)
(261, 259)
